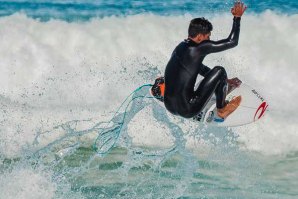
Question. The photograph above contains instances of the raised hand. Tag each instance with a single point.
(238, 9)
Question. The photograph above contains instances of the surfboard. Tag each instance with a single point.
(252, 108)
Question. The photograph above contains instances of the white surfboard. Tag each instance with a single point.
(252, 107)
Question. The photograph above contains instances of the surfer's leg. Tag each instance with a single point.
(225, 109)
(215, 81)
(221, 89)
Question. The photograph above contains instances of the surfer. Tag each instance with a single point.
(185, 65)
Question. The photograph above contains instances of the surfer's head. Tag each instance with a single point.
(199, 29)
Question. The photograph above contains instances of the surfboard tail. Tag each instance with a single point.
(158, 88)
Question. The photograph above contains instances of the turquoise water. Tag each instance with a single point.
(67, 67)
(85, 10)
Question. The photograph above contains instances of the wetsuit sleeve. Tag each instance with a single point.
(209, 46)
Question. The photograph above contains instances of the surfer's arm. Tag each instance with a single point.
(209, 46)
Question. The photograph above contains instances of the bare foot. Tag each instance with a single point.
(229, 108)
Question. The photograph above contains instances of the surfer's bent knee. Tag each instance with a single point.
(220, 70)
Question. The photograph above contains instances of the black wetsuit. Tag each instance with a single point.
(181, 72)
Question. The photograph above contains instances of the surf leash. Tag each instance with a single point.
(116, 130)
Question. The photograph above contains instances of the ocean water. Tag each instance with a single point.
(66, 131)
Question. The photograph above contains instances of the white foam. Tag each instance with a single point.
(54, 72)
(26, 183)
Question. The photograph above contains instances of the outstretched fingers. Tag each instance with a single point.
(238, 8)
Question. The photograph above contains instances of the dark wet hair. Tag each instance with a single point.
(199, 26)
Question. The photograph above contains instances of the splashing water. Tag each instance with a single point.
(56, 154)
(141, 151)
(105, 153)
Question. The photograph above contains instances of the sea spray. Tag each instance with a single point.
(53, 72)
